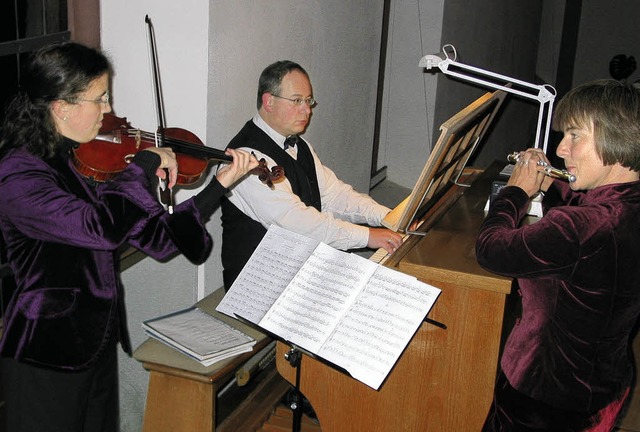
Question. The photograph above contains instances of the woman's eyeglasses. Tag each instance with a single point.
(104, 99)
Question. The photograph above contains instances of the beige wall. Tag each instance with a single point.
(210, 56)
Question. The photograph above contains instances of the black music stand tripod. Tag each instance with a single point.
(294, 357)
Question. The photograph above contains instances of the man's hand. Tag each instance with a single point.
(384, 238)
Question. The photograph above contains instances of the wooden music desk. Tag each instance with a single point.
(444, 380)
(182, 392)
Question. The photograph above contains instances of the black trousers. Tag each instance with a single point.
(39, 399)
(512, 411)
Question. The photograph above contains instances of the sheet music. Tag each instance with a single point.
(199, 335)
(318, 296)
(273, 264)
(371, 336)
(339, 306)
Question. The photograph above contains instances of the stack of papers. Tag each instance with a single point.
(199, 335)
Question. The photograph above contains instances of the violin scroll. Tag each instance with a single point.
(266, 175)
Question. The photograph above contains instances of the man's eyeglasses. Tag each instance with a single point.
(299, 101)
(104, 99)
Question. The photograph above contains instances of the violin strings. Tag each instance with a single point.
(180, 143)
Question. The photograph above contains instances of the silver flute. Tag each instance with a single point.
(514, 158)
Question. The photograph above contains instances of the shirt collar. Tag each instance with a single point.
(275, 136)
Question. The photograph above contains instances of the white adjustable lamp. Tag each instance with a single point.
(544, 94)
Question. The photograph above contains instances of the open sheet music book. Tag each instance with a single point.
(199, 335)
(341, 307)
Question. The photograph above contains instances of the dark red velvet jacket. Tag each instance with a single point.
(61, 238)
(578, 269)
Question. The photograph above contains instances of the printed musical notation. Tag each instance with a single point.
(348, 310)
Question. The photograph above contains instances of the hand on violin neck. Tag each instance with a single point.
(242, 163)
(168, 164)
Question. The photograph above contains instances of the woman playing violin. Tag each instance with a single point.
(61, 236)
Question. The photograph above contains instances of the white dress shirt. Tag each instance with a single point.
(342, 206)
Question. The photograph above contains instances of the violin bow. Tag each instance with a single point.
(165, 195)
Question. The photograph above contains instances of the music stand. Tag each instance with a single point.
(294, 357)
(459, 137)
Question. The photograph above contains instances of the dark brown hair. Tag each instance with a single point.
(612, 108)
(55, 72)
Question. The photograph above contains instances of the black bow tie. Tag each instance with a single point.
(291, 141)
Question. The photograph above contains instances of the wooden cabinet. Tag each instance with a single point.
(444, 379)
(182, 392)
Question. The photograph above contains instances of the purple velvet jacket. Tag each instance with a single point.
(61, 237)
(578, 270)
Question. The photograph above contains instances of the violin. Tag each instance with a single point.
(117, 142)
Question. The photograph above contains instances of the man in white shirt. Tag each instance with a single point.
(311, 200)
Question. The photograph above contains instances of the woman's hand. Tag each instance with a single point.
(528, 172)
(168, 163)
(242, 163)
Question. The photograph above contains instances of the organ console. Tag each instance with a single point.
(444, 379)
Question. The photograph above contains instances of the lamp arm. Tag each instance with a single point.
(544, 94)
(541, 93)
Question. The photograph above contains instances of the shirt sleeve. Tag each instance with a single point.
(121, 210)
(208, 199)
(37, 206)
(337, 224)
(343, 201)
(548, 247)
